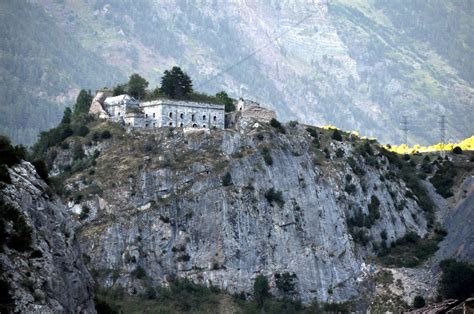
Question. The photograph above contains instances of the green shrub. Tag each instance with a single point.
(139, 272)
(355, 167)
(409, 251)
(273, 195)
(457, 150)
(81, 130)
(19, 237)
(267, 157)
(277, 125)
(312, 132)
(4, 175)
(6, 300)
(457, 280)
(418, 302)
(85, 212)
(41, 169)
(374, 212)
(106, 134)
(261, 290)
(350, 188)
(227, 179)
(9, 154)
(360, 236)
(336, 135)
(285, 282)
(102, 307)
(184, 258)
(340, 153)
(443, 180)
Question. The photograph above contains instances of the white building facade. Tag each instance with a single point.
(164, 113)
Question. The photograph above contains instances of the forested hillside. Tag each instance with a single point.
(41, 70)
(359, 65)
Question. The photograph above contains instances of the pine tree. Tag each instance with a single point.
(176, 83)
(83, 102)
(137, 86)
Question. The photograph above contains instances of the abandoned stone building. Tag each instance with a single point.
(157, 113)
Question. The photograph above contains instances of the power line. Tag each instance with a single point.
(254, 52)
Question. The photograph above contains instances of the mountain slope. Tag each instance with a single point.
(44, 272)
(41, 69)
(223, 206)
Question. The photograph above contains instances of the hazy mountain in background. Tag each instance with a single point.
(357, 64)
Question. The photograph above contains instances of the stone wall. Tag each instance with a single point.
(259, 113)
(183, 114)
(117, 106)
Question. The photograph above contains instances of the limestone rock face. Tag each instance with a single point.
(458, 221)
(51, 277)
(96, 106)
(166, 210)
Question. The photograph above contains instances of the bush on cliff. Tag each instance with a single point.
(457, 280)
(261, 290)
(277, 125)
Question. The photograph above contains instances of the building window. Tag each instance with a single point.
(203, 125)
(181, 124)
(192, 117)
(171, 115)
(204, 117)
(215, 118)
(146, 115)
(153, 124)
(194, 125)
(153, 114)
(171, 123)
(146, 125)
(119, 113)
(181, 116)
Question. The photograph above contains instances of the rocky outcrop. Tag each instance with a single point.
(50, 276)
(459, 243)
(97, 108)
(221, 207)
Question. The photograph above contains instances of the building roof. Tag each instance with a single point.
(181, 103)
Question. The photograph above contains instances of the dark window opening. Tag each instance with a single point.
(203, 125)
(192, 117)
(171, 115)
(146, 125)
(181, 116)
(215, 118)
(194, 125)
(204, 117)
(181, 124)
(171, 123)
(146, 115)
(153, 114)
(153, 124)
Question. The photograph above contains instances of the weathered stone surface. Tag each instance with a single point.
(97, 108)
(51, 277)
(459, 243)
(164, 209)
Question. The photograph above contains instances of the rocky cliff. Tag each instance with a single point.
(223, 206)
(41, 268)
